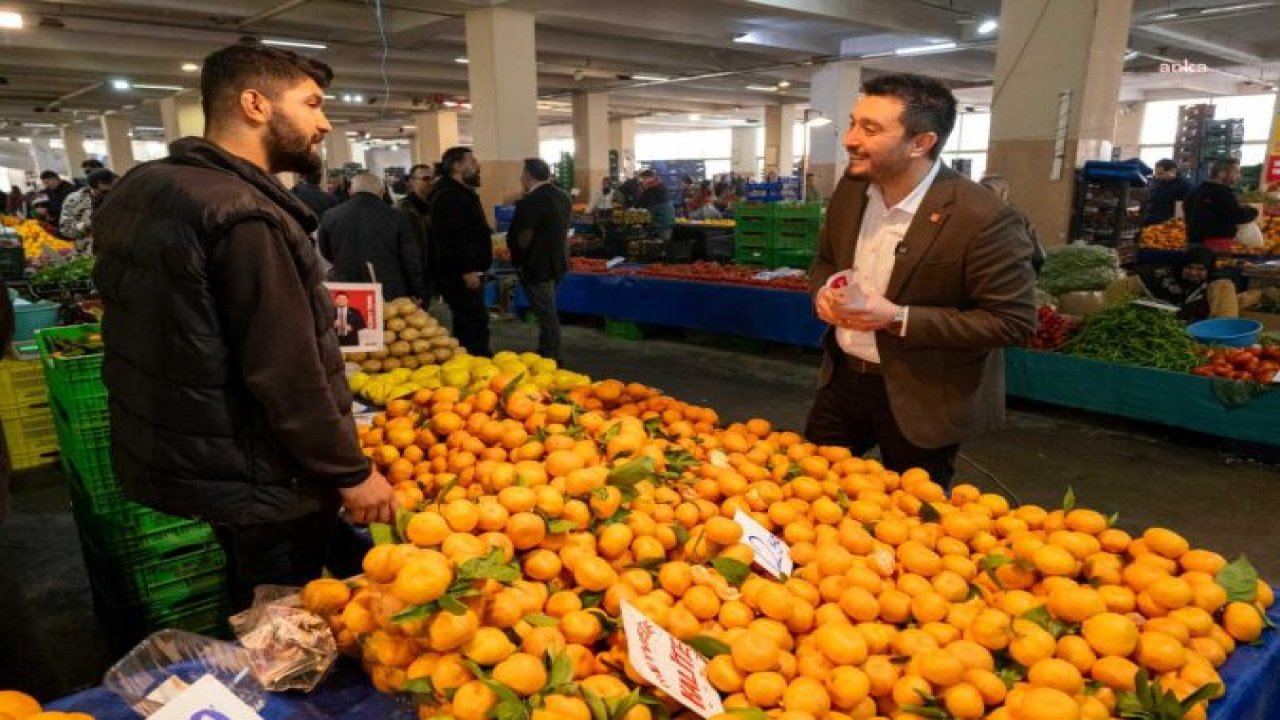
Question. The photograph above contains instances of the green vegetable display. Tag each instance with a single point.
(1079, 267)
(77, 269)
(1134, 335)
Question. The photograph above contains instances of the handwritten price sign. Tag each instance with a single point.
(770, 552)
(679, 670)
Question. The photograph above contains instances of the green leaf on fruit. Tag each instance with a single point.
(708, 646)
(734, 571)
(929, 513)
(490, 567)
(382, 534)
(1069, 500)
(540, 620)
(1240, 580)
(1040, 616)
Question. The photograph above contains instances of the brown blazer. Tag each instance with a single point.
(964, 268)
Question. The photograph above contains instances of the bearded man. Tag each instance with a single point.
(227, 396)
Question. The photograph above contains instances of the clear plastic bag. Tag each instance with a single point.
(289, 647)
(168, 662)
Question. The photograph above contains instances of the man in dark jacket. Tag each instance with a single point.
(228, 400)
(462, 246)
(56, 190)
(415, 206)
(655, 199)
(1167, 189)
(538, 239)
(362, 233)
(309, 191)
(1212, 209)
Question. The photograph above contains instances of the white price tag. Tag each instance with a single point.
(770, 552)
(206, 699)
(679, 670)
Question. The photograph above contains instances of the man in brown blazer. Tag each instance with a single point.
(941, 281)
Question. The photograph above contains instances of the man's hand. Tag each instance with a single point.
(473, 280)
(878, 312)
(371, 501)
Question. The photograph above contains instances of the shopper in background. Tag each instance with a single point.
(228, 399)
(312, 195)
(16, 202)
(416, 206)
(461, 242)
(76, 221)
(943, 280)
(701, 206)
(538, 239)
(369, 242)
(654, 198)
(603, 201)
(631, 189)
(1166, 190)
(339, 187)
(1212, 209)
(1000, 186)
(86, 167)
(812, 194)
(56, 191)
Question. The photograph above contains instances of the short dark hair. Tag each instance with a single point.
(236, 68)
(50, 175)
(1219, 167)
(452, 157)
(422, 166)
(91, 164)
(1166, 164)
(537, 168)
(101, 176)
(647, 173)
(341, 294)
(928, 106)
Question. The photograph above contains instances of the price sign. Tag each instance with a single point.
(679, 670)
(206, 699)
(770, 552)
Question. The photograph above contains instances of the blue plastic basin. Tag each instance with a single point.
(1231, 332)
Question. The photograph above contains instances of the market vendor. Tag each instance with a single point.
(1213, 211)
(1191, 288)
(655, 199)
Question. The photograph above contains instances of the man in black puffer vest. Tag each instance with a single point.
(228, 401)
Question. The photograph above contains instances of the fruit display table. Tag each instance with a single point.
(1182, 400)
(761, 313)
(347, 693)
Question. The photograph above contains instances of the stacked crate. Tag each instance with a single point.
(26, 416)
(147, 570)
(776, 234)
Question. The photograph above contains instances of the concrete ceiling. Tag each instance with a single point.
(57, 70)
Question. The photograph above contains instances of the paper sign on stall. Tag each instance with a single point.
(674, 667)
(770, 552)
(206, 699)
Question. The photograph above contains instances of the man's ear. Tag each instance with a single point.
(922, 143)
(255, 107)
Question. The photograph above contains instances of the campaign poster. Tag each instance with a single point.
(358, 317)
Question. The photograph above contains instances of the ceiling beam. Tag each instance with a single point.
(1229, 49)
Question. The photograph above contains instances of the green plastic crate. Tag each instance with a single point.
(745, 238)
(202, 614)
(125, 526)
(622, 329)
(798, 259)
(752, 255)
(754, 211)
(199, 571)
(807, 241)
(754, 225)
(798, 211)
(75, 379)
(88, 443)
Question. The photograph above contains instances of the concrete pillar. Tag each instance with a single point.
(1049, 116)
(1128, 133)
(46, 158)
(832, 91)
(115, 130)
(744, 151)
(436, 131)
(73, 148)
(622, 138)
(590, 141)
(337, 150)
(1271, 169)
(182, 117)
(779, 150)
(502, 73)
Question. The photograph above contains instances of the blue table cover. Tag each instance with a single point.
(784, 316)
(1252, 676)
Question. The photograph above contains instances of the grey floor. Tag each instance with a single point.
(51, 644)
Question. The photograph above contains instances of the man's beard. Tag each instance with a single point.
(289, 150)
(472, 179)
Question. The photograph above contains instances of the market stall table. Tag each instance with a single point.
(762, 313)
(1252, 692)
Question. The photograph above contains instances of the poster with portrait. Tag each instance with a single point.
(358, 317)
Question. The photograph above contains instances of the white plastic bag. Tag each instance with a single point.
(1250, 235)
(290, 648)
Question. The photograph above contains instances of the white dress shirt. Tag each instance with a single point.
(878, 239)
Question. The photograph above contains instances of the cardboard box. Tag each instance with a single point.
(1270, 321)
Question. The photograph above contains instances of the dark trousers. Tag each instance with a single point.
(292, 552)
(470, 316)
(542, 301)
(853, 411)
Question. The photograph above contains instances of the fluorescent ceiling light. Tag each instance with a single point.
(742, 38)
(987, 27)
(819, 121)
(925, 49)
(141, 86)
(461, 60)
(120, 84)
(25, 140)
(450, 103)
(10, 20)
(762, 88)
(148, 128)
(1131, 55)
(330, 97)
(190, 67)
(649, 78)
(1232, 8)
(695, 117)
(295, 44)
(1165, 16)
(784, 84)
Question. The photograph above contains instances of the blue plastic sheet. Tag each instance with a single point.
(1250, 675)
(784, 316)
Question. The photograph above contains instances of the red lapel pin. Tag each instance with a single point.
(935, 217)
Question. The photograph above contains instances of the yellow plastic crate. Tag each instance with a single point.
(26, 461)
(22, 383)
(30, 433)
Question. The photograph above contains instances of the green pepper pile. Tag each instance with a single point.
(1134, 335)
(77, 269)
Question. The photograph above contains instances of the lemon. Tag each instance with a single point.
(456, 377)
(529, 358)
(544, 366)
(403, 390)
(357, 381)
(504, 357)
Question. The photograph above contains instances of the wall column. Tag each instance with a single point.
(833, 89)
(437, 131)
(745, 151)
(1128, 132)
(590, 141)
(182, 117)
(73, 148)
(337, 150)
(502, 73)
(1049, 116)
(779, 149)
(622, 139)
(115, 129)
